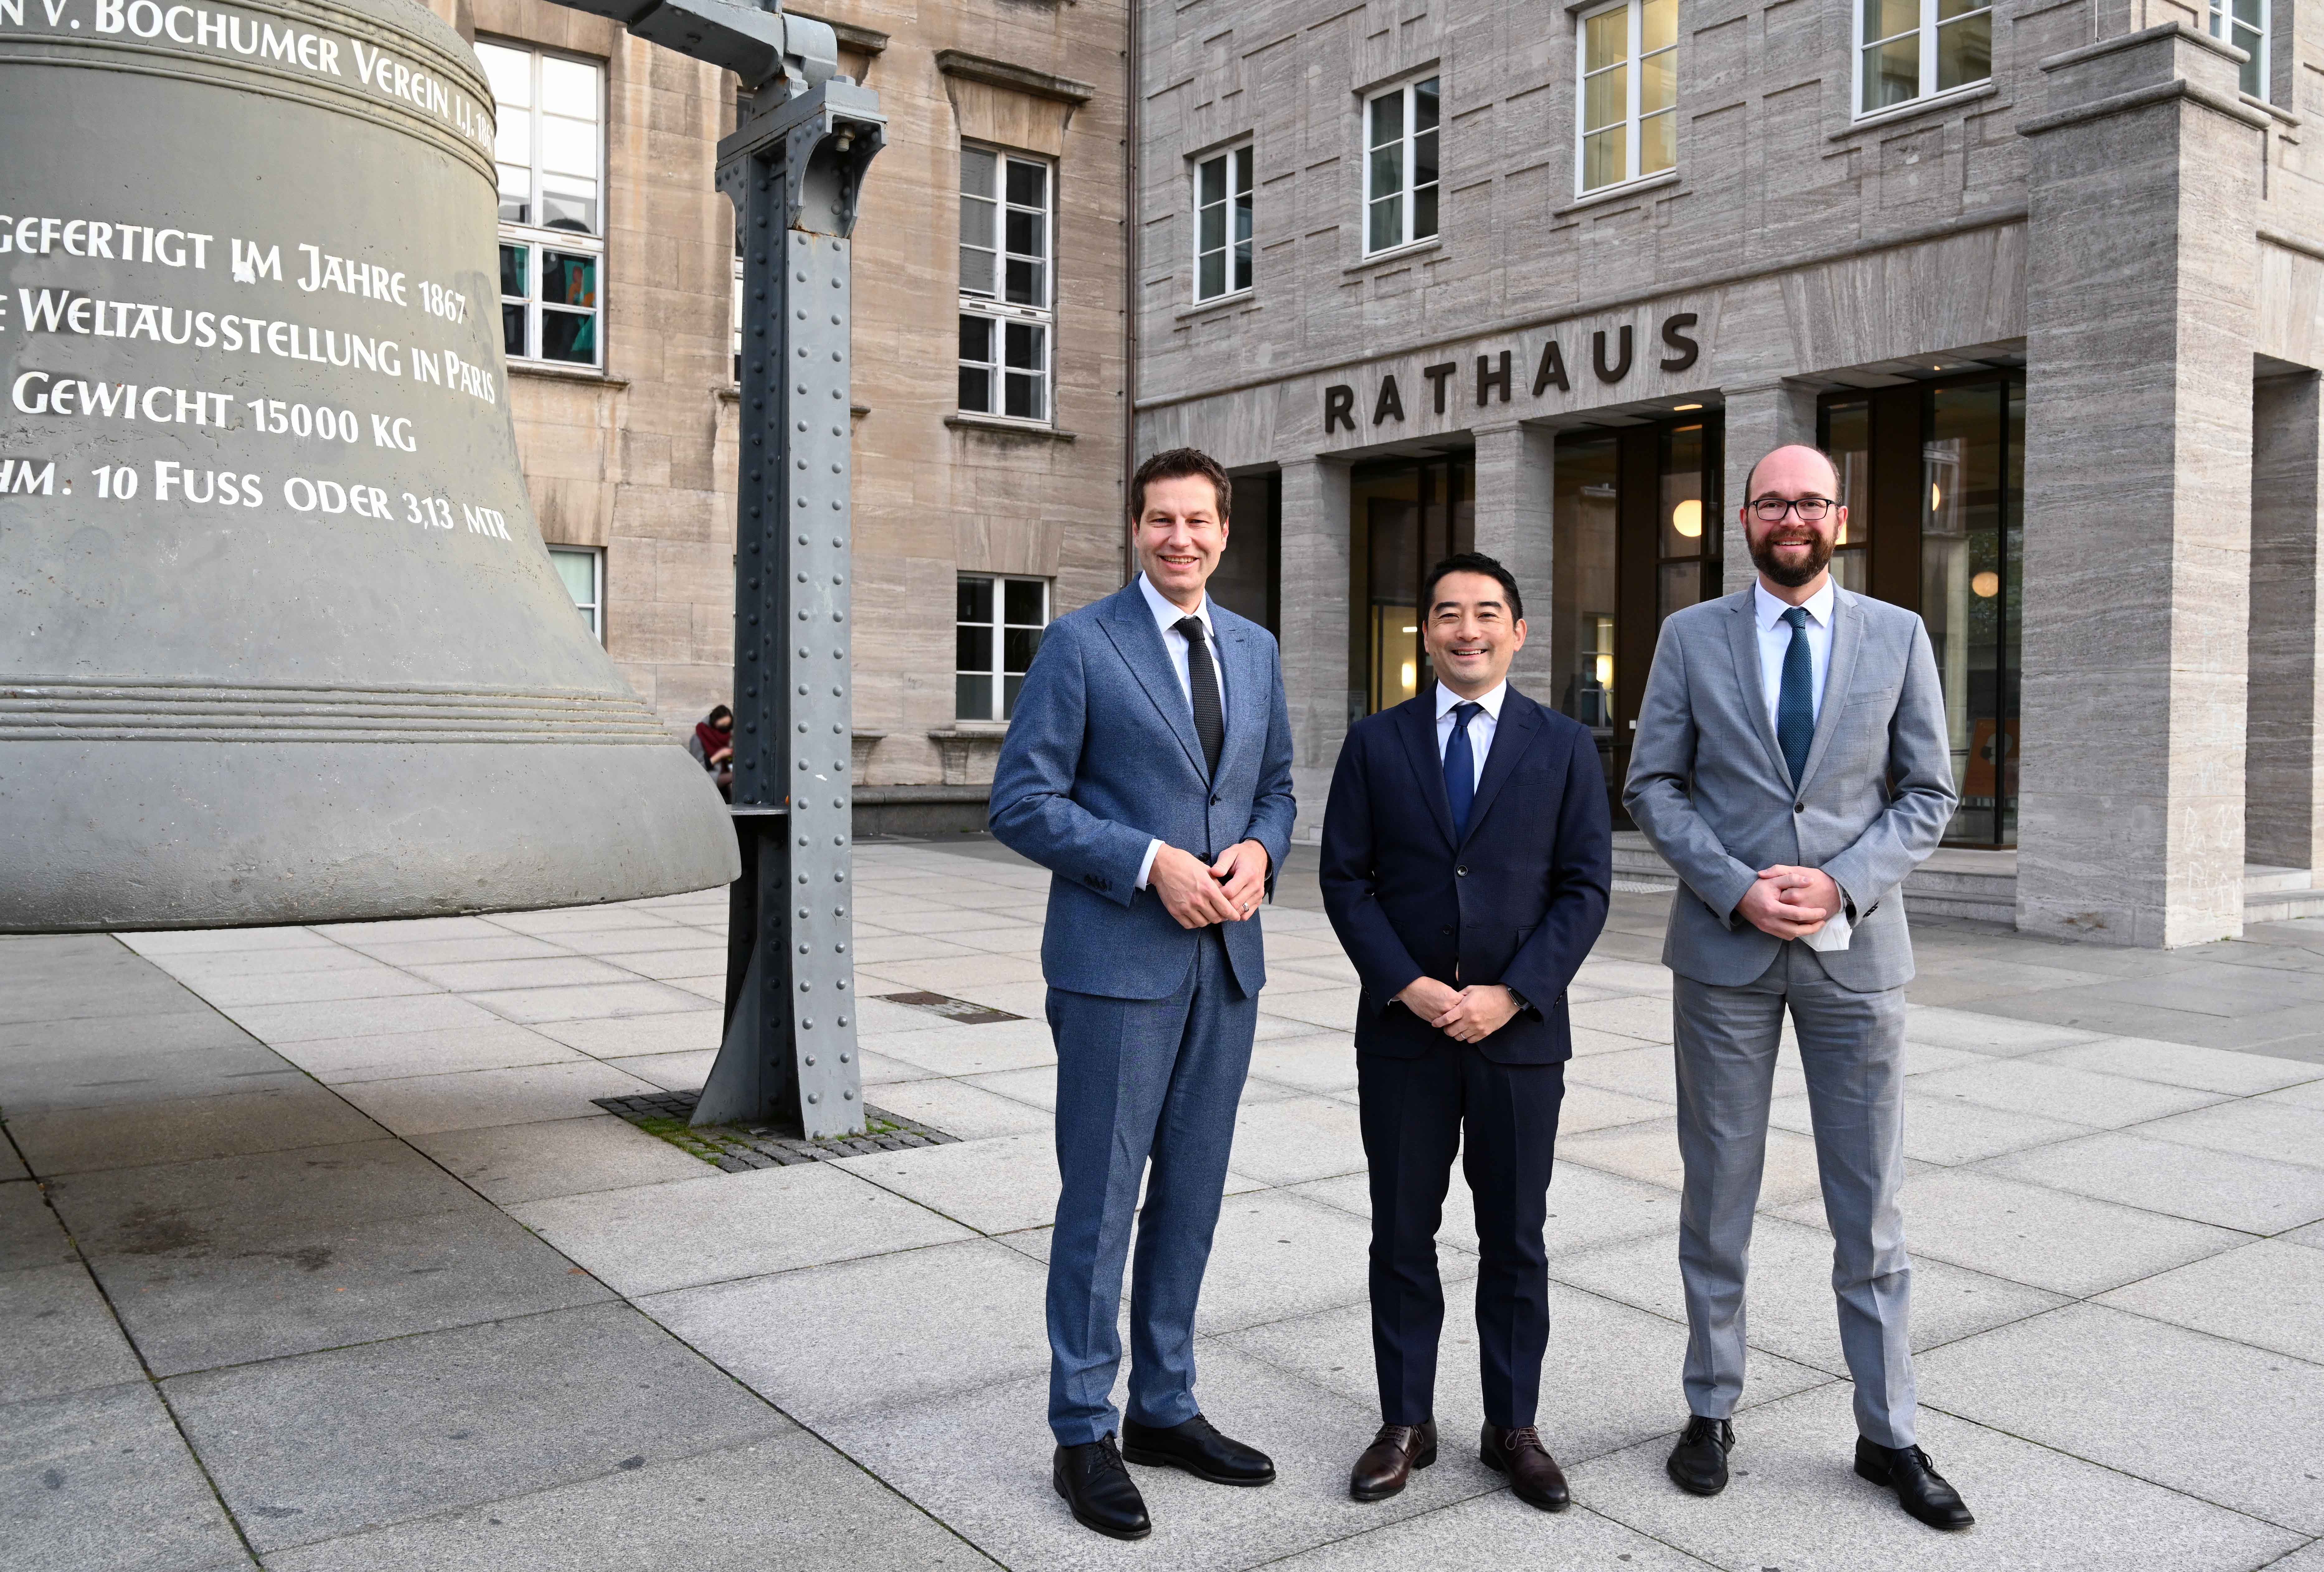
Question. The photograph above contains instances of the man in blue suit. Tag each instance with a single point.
(1467, 858)
(1148, 767)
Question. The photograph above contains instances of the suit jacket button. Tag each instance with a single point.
(1214, 803)
(1462, 870)
(1448, 933)
(1799, 807)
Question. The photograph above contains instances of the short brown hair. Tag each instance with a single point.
(1175, 464)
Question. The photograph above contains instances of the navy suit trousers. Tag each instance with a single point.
(1139, 1079)
(1414, 1113)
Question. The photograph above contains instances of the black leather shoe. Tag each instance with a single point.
(1535, 1477)
(1197, 1448)
(1698, 1463)
(1389, 1462)
(1099, 1489)
(1920, 1489)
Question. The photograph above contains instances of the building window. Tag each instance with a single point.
(999, 629)
(1222, 224)
(1006, 289)
(1629, 92)
(550, 151)
(1400, 166)
(1910, 48)
(2244, 24)
(582, 570)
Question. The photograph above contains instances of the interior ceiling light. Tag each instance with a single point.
(1686, 518)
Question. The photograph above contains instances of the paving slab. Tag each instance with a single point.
(134, 1073)
(979, 1461)
(1294, 1139)
(328, 1285)
(1035, 1086)
(690, 1030)
(2254, 1126)
(413, 1105)
(960, 1109)
(195, 941)
(389, 930)
(689, 1072)
(277, 1024)
(2043, 1238)
(99, 1482)
(508, 1164)
(785, 1501)
(1979, 1031)
(590, 1001)
(1332, 1009)
(56, 1335)
(1945, 1130)
(237, 1123)
(369, 980)
(475, 977)
(580, 919)
(1315, 1061)
(731, 1226)
(2062, 1091)
(1609, 1378)
(454, 1417)
(1279, 1254)
(12, 1167)
(968, 1050)
(489, 943)
(2253, 1194)
(1495, 1530)
(669, 965)
(1644, 1018)
(993, 1186)
(2309, 1094)
(874, 1334)
(196, 969)
(1649, 1152)
(489, 1044)
(2268, 1294)
(2244, 1424)
(30, 1234)
(1796, 1504)
(1790, 1309)
(2180, 1064)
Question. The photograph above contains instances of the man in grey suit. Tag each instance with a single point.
(1792, 764)
(1148, 767)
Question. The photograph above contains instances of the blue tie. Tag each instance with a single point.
(1795, 700)
(1461, 770)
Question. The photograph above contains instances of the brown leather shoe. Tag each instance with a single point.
(1390, 1460)
(1534, 1474)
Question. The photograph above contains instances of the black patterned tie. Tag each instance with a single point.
(1202, 687)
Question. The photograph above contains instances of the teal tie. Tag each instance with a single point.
(1795, 700)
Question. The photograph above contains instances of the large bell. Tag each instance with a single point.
(278, 639)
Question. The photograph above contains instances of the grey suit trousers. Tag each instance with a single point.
(1852, 1052)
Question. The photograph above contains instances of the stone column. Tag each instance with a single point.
(1761, 416)
(1314, 634)
(1516, 523)
(2284, 772)
(2143, 196)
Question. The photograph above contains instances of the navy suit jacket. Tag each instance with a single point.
(1101, 758)
(1520, 900)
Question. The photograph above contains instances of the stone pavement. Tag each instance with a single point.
(314, 1252)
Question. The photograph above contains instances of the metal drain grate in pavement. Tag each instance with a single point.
(966, 1011)
(739, 1148)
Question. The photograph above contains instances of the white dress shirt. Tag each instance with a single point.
(1167, 618)
(1776, 641)
(1481, 726)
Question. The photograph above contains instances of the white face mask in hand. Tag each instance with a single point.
(1833, 935)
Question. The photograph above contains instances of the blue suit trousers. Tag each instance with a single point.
(1139, 1079)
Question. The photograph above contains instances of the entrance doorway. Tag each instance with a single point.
(1637, 537)
(1403, 517)
(1933, 474)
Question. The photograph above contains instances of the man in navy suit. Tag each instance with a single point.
(1467, 857)
(1148, 767)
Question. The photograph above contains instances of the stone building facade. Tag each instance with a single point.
(619, 268)
(2044, 275)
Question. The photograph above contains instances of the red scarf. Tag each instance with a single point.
(711, 738)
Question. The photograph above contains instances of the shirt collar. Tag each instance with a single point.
(1446, 699)
(1168, 616)
(1770, 611)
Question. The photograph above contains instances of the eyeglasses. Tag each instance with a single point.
(1812, 510)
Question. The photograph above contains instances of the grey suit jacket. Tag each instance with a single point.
(1709, 785)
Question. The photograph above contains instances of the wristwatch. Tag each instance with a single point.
(1522, 1002)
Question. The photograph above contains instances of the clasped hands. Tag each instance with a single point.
(1790, 902)
(1469, 1014)
(1198, 893)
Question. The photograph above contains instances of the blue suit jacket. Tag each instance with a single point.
(1101, 758)
(1520, 900)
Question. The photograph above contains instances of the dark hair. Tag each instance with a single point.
(1474, 562)
(715, 711)
(1752, 474)
(1174, 464)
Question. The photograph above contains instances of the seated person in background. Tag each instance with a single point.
(713, 748)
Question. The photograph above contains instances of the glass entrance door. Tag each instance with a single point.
(1637, 536)
(1406, 516)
